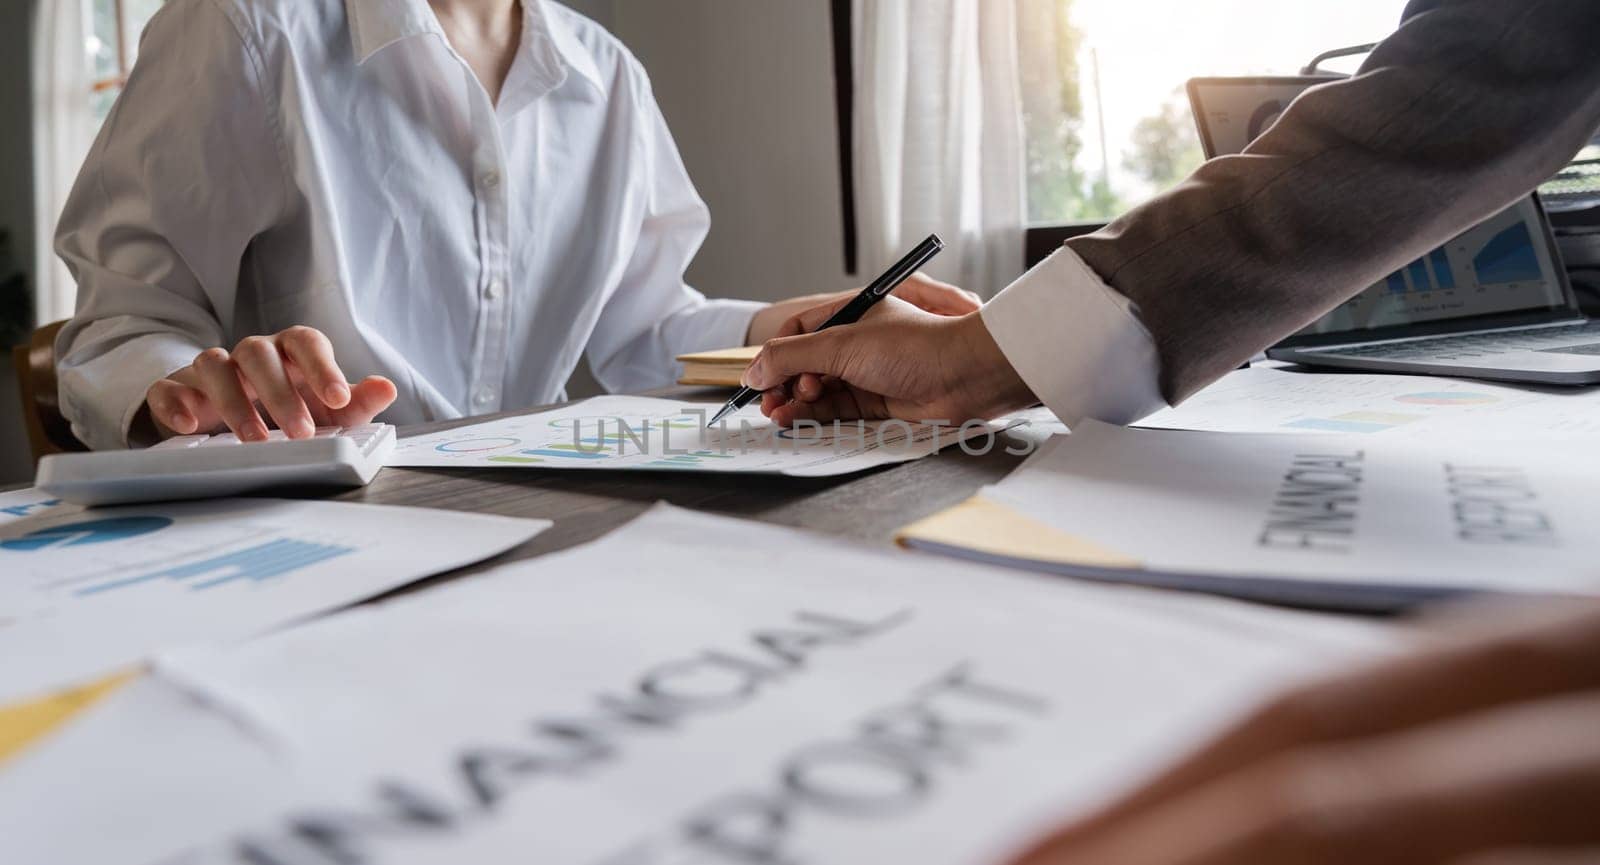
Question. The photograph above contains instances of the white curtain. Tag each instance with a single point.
(64, 127)
(939, 140)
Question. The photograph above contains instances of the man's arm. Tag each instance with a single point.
(1463, 110)
(1466, 108)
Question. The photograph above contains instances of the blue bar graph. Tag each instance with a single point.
(1397, 283)
(1442, 274)
(261, 562)
(1509, 257)
(1420, 280)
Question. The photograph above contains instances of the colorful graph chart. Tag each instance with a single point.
(261, 562)
(637, 425)
(1354, 422)
(90, 532)
(603, 437)
(687, 461)
(568, 452)
(1455, 398)
(472, 446)
(1508, 257)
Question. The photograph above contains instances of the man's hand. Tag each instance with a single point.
(920, 290)
(291, 375)
(897, 362)
(1485, 745)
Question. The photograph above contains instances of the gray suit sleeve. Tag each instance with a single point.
(1467, 107)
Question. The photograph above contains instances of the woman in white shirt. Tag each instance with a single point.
(445, 202)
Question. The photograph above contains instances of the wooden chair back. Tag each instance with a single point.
(48, 429)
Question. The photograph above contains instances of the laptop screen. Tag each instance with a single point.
(1504, 265)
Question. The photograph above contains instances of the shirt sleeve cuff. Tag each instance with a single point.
(721, 323)
(102, 397)
(1077, 343)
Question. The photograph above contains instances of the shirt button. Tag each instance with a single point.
(491, 180)
(495, 288)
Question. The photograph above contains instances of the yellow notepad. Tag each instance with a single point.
(722, 368)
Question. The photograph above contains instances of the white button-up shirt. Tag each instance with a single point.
(335, 163)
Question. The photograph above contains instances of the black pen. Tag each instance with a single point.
(855, 309)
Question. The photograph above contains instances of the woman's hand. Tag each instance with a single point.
(292, 375)
(1487, 746)
(921, 291)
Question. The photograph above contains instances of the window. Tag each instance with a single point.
(113, 45)
(1107, 121)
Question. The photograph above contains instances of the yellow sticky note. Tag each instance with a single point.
(984, 526)
(22, 724)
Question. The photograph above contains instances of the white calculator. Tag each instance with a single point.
(206, 466)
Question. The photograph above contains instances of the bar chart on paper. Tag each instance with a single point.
(19, 504)
(622, 432)
(86, 592)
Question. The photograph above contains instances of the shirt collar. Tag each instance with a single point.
(377, 24)
(574, 54)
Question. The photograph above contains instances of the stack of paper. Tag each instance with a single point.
(87, 593)
(1343, 522)
(675, 692)
(722, 368)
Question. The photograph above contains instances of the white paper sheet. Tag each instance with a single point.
(687, 689)
(629, 432)
(1475, 514)
(1268, 400)
(87, 591)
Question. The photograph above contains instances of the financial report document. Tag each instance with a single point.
(664, 696)
(1466, 514)
(89, 591)
(643, 433)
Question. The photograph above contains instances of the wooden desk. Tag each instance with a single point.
(588, 504)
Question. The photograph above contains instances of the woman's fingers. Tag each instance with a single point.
(225, 392)
(368, 398)
(260, 362)
(312, 356)
(292, 375)
(179, 407)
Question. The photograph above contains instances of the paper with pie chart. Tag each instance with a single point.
(87, 592)
(1287, 401)
(643, 433)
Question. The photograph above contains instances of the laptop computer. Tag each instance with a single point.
(1494, 303)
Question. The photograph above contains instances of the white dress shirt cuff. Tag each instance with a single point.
(723, 323)
(1077, 343)
(102, 406)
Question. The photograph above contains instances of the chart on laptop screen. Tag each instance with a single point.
(1502, 265)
